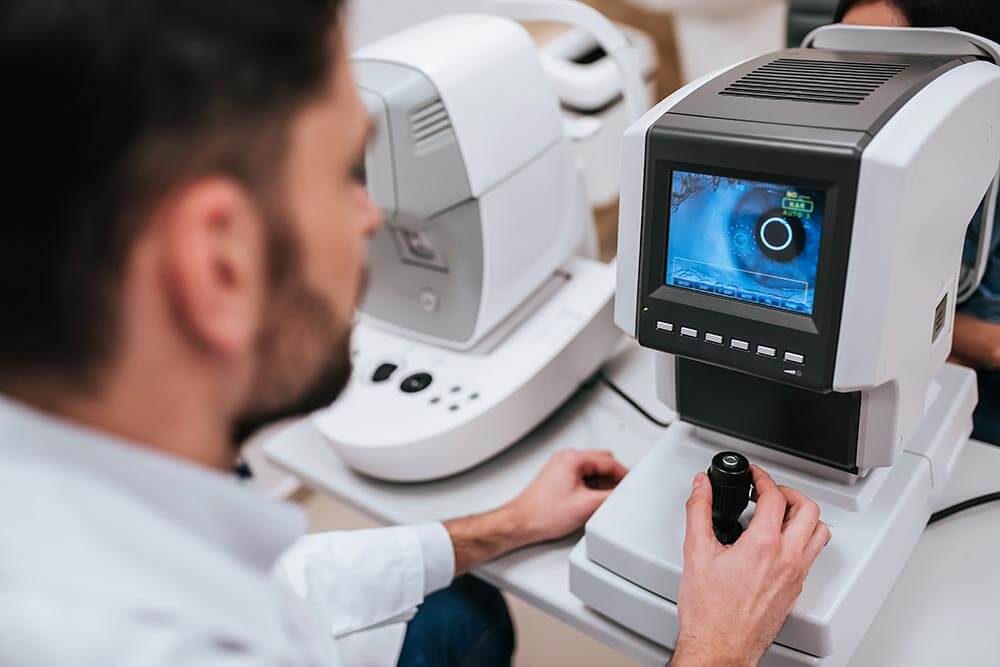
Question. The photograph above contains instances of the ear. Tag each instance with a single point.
(214, 265)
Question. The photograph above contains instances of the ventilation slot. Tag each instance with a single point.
(428, 123)
(819, 81)
(940, 316)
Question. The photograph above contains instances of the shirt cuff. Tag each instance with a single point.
(439, 556)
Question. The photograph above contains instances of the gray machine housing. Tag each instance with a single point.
(432, 240)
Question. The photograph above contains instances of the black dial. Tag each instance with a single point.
(731, 481)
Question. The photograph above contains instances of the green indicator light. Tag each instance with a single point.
(645, 309)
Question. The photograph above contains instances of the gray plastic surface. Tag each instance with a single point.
(416, 174)
(455, 277)
(428, 175)
(868, 116)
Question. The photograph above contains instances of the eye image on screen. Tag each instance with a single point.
(746, 240)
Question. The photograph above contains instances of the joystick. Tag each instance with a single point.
(731, 481)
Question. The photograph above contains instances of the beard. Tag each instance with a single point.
(303, 347)
(304, 363)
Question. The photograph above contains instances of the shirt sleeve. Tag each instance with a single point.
(439, 556)
(353, 580)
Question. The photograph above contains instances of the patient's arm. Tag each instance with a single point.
(976, 343)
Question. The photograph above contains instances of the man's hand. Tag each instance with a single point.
(976, 342)
(567, 491)
(733, 600)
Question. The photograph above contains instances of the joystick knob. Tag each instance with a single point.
(731, 480)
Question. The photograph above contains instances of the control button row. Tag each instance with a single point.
(735, 343)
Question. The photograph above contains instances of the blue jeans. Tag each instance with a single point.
(464, 625)
(987, 417)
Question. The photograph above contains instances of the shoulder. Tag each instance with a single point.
(69, 537)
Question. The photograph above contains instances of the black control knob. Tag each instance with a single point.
(731, 481)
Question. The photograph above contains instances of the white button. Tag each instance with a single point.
(713, 338)
(765, 351)
(665, 326)
(794, 358)
(739, 344)
(429, 300)
(689, 332)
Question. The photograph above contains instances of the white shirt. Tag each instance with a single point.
(111, 554)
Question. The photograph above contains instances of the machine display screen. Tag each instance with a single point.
(746, 240)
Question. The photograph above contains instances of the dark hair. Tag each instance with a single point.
(981, 17)
(106, 105)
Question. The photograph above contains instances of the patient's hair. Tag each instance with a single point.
(106, 105)
(981, 17)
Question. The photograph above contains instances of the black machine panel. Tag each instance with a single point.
(819, 427)
(744, 266)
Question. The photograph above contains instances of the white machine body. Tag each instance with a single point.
(472, 405)
(628, 566)
(481, 317)
(595, 115)
(509, 190)
(841, 390)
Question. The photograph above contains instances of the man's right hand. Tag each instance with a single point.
(734, 599)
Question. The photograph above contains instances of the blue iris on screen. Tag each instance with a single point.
(747, 240)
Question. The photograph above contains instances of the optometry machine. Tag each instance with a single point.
(791, 234)
(485, 309)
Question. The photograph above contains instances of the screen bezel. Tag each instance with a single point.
(659, 238)
(787, 184)
(798, 156)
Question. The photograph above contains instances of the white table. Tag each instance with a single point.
(944, 609)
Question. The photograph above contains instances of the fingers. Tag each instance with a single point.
(771, 503)
(600, 463)
(802, 518)
(698, 534)
(609, 469)
(817, 541)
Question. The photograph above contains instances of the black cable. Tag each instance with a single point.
(631, 401)
(962, 506)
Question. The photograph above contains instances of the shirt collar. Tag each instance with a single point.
(213, 506)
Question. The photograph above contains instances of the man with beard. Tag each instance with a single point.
(182, 250)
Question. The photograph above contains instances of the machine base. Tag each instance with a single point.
(628, 566)
(465, 407)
